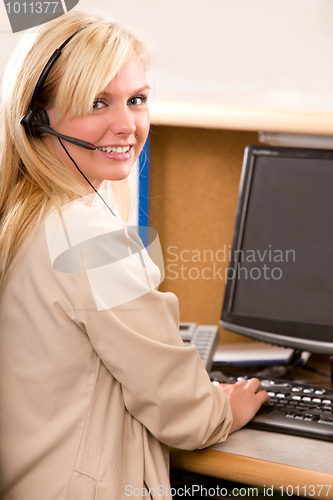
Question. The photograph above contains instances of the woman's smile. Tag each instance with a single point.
(117, 153)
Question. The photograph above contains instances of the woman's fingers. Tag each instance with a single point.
(246, 397)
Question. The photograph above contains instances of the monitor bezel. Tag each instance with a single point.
(269, 330)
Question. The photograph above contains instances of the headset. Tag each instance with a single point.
(36, 121)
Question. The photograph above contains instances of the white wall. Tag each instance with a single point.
(277, 51)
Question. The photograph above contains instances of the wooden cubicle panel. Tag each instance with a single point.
(194, 180)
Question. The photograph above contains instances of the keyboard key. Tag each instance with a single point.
(329, 397)
(329, 422)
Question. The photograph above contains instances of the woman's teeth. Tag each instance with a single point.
(114, 149)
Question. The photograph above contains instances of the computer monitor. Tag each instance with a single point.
(280, 277)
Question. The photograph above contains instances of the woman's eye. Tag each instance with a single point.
(137, 100)
(99, 103)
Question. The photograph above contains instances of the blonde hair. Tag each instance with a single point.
(31, 177)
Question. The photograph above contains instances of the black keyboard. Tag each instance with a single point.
(295, 408)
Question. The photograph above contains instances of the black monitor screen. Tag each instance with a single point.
(280, 280)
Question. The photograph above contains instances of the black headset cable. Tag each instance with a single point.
(86, 178)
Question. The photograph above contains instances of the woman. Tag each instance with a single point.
(95, 382)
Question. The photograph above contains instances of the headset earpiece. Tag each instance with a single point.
(33, 119)
(40, 118)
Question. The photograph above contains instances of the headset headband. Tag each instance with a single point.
(33, 106)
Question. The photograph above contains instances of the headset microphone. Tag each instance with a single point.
(35, 127)
(72, 140)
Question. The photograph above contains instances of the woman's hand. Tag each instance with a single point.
(246, 397)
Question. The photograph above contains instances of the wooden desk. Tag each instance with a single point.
(291, 464)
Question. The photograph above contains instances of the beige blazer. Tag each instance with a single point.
(90, 399)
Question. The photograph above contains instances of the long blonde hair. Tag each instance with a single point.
(31, 177)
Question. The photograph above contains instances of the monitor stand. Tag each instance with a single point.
(281, 371)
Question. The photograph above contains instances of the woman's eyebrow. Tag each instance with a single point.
(144, 88)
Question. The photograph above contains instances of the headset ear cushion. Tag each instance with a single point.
(40, 118)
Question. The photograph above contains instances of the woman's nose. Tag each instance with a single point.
(122, 122)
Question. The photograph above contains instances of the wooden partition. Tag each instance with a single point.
(194, 180)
